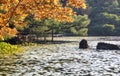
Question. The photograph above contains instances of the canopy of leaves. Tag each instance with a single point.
(15, 11)
(41, 26)
(78, 27)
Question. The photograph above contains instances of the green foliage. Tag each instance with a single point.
(83, 32)
(79, 26)
(73, 30)
(102, 30)
(74, 27)
(40, 27)
(81, 21)
(28, 44)
(105, 17)
(102, 5)
(7, 49)
(109, 18)
(109, 27)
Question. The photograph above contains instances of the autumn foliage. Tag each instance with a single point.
(13, 12)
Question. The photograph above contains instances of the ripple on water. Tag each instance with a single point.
(62, 60)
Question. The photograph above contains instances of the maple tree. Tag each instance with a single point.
(13, 12)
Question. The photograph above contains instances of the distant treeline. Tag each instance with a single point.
(104, 16)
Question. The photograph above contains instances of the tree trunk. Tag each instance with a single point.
(52, 35)
(44, 37)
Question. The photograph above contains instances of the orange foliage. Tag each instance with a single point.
(15, 11)
(77, 3)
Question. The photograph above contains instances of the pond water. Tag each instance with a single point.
(63, 60)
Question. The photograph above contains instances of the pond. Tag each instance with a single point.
(63, 60)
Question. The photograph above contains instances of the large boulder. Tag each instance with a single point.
(107, 46)
(83, 44)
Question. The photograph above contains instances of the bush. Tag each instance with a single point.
(7, 49)
(27, 44)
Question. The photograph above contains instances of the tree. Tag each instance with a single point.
(78, 26)
(15, 11)
(108, 29)
(103, 30)
(41, 27)
(103, 12)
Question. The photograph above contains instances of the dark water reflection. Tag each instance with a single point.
(7, 65)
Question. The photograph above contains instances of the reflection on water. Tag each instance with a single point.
(7, 65)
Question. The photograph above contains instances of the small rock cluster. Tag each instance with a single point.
(100, 46)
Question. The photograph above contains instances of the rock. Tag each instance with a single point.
(107, 46)
(83, 44)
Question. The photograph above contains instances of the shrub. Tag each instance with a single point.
(7, 49)
(27, 44)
